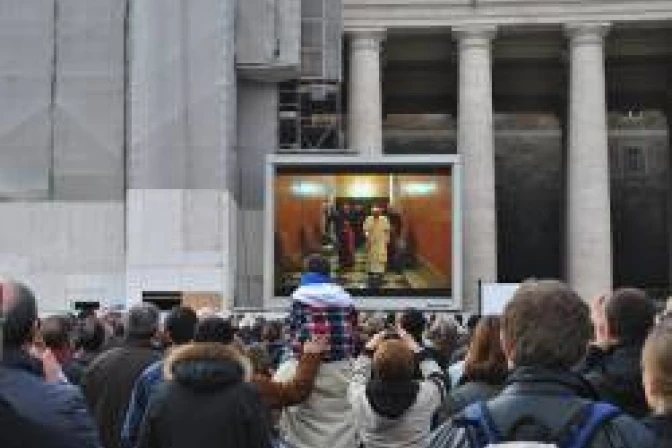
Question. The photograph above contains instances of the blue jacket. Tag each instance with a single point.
(57, 406)
(142, 392)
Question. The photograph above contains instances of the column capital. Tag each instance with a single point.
(366, 38)
(475, 34)
(366, 33)
(587, 32)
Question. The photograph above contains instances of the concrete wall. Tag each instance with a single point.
(257, 137)
(66, 251)
(26, 87)
(88, 101)
(119, 120)
(61, 147)
(181, 204)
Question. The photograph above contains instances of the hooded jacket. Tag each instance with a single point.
(206, 402)
(616, 375)
(396, 415)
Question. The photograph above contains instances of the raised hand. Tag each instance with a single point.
(317, 345)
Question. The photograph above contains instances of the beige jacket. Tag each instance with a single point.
(325, 419)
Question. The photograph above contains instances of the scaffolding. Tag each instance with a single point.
(309, 109)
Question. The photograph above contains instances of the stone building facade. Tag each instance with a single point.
(561, 112)
(133, 135)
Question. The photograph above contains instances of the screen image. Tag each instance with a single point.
(386, 231)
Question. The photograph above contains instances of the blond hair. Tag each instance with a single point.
(657, 361)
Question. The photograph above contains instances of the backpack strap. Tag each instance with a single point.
(596, 415)
(478, 421)
(578, 431)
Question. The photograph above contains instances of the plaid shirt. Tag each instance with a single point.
(338, 323)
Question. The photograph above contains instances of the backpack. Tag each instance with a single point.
(583, 421)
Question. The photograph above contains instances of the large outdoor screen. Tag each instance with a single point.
(386, 229)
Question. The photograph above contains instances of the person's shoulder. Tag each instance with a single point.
(462, 391)
(631, 432)
(9, 377)
(103, 358)
(62, 397)
(25, 387)
(659, 424)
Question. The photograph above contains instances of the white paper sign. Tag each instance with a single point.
(495, 296)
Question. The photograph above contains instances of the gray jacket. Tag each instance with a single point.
(546, 395)
(466, 394)
(410, 427)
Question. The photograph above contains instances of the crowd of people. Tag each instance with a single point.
(552, 369)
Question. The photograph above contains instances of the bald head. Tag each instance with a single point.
(19, 309)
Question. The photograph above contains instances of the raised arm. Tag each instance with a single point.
(279, 394)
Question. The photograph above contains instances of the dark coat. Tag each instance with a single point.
(205, 402)
(468, 393)
(108, 382)
(661, 425)
(616, 376)
(19, 432)
(58, 407)
(548, 395)
(442, 359)
(74, 370)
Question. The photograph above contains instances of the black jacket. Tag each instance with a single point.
(661, 425)
(205, 402)
(108, 382)
(545, 394)
(616, 375)
(468, 393)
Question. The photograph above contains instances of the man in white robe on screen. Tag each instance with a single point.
(377, 231)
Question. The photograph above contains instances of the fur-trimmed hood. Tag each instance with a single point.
(207, 366)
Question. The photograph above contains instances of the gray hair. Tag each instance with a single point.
(444, 328)
(142, 321)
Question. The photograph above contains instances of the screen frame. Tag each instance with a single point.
(274, 162)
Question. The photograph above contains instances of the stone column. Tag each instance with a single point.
(589, 263)
(475, 140)
(365, 109)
